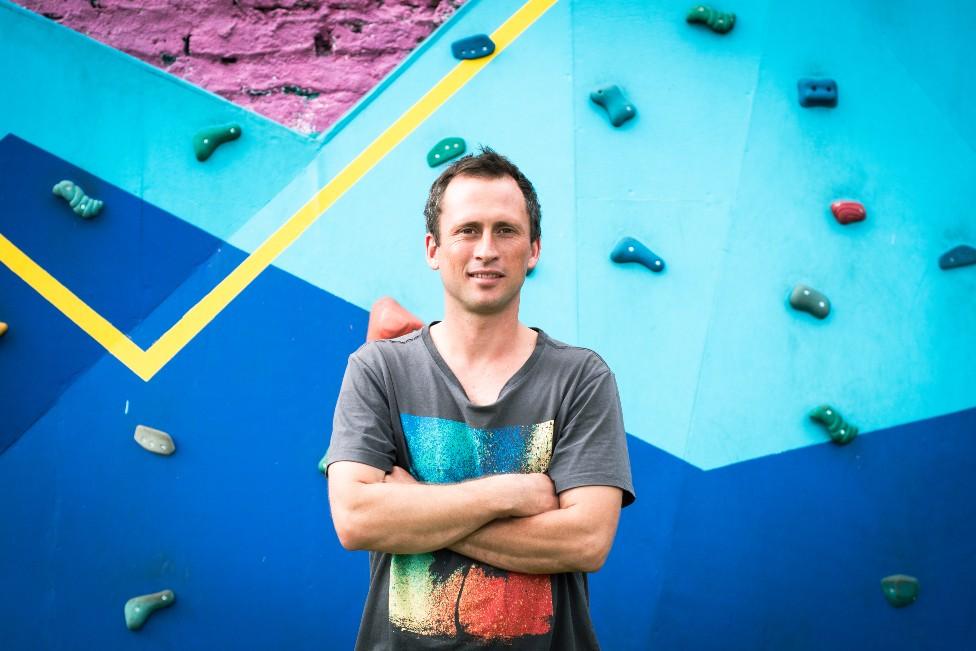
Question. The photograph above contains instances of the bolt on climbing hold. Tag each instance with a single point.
(83, 205)
(473, 47)
(612, 99)
(840, 431)
(154, 440)
(630, 250)
(322, 465)
(3, 328)
(138, 609)
(817, 92)
(807, 299)
(445, 150)
(206, 141)
(900, 589)
(388, 320)
(719, 22)
(847, 212)
(960, 256)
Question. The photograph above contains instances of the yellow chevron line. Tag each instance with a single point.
(146, 363)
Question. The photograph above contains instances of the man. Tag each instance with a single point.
(482, 463)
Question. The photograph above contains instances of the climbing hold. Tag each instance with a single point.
(138, 609)
(83, 205)
(848, 212)
(616, 105)
(810, 300)
(900, 589)
(154, 440)
(473, 47)
(961, 256)
(717, 21)
(3, 328)
(840, 431)
(445, 150)
(630, 250)
(817, 92)
(388, 319)
(207, 140)
(322, 465)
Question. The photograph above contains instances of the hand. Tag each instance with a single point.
(399, 476)
(534, 494)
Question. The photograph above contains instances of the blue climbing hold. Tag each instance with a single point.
(612, 99)
(817, 92)
(961, 256)
(630, 250)
(473, 47)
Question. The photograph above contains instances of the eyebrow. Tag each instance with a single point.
(478, 224)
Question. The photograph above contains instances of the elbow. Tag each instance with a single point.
(594, 554)
(349, 531)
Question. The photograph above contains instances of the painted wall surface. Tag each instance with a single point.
(302, 63)
(750, 530)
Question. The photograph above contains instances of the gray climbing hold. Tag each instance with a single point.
(961, 256)
(900, 589)
(612, 99)
(83, 205)
(154, 440)
(630, 250)
(138, 609)
(807, 299)
(206, 141)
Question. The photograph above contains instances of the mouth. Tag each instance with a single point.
(486, 275)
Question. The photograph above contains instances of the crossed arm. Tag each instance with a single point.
(515, 521)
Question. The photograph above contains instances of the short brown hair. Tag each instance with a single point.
(488, 164)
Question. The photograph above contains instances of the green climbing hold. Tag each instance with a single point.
(207, 140)
(807, 299)
(138, 609)
(83, 205)
(840, 431)
(900, 589)
(322, 465)
(717, 21)
(445, 150)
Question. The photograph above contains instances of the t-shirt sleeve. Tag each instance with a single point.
(591, 444)
(362, 428)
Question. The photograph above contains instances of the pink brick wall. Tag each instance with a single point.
(302, 63)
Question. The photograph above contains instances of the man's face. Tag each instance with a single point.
(484, 249)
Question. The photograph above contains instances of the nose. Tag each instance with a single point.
(486, 250)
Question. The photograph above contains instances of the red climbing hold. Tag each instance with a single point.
(389, 319)
(848, 212)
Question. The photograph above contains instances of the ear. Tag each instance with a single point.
(536, 249)
(431, 251)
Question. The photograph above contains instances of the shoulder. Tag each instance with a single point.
(381, 353)
(583, 362)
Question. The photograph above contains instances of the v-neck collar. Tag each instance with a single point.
(456, 383)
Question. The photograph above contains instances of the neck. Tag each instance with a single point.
(476, 337)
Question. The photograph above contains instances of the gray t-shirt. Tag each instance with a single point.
(401, 404)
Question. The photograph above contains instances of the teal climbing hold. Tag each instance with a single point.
(206, 141)
(322, 465)
(900, 589)
(719, 22)
(445, 150)
(961, 256)
(807, 299)
(83, 205)
(630, 250)
(612, 99)
(138, 609)
(840, 431)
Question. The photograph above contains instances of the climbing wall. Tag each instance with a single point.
(218, 301)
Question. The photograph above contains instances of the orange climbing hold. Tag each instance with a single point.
(3, 328)
(389, 319)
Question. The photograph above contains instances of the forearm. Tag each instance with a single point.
(548, 543)
(416, 518)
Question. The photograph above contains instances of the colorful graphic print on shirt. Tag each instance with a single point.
(444, 594)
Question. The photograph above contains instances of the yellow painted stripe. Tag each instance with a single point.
(146, 364)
